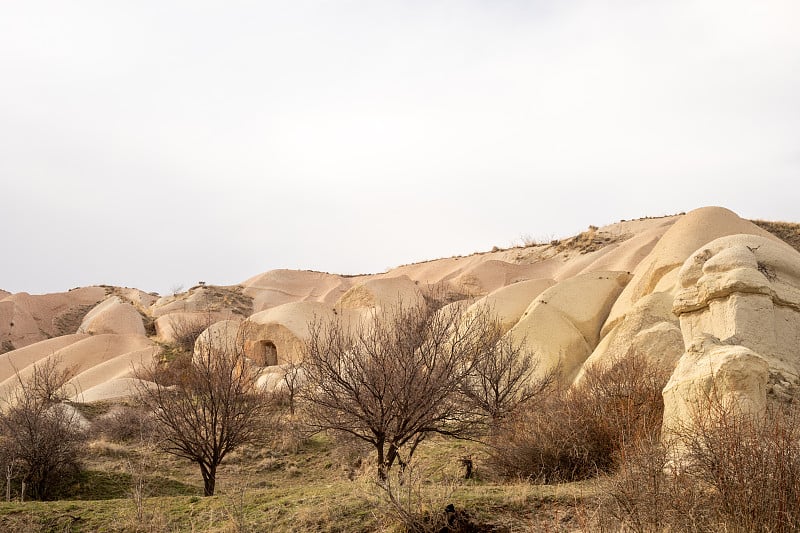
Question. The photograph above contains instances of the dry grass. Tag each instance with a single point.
(742, 475)
(789, 232)
(309, 490)
(589, 241)
(68, 322)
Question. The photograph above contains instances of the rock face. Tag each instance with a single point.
(650, 329)
(222, 335)
(509, 303)
(379, 293)
(113, 316)
(745, 288)
(707, 293)
(97, 359)
(562, 325)
(276, 336)
(26, 319)
(658, 271)
(739, 309)
(712, 378)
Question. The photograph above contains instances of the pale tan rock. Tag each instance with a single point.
(562, 325)
(20, 358)
(624, 256)
(139, 299)
(744, 288)
(490, 275)
(508, 304)
(219, 301)
(710, 378)
(26, 319)
(278, 335)
(272, 378)
(95, 358)
(96, 382)
(113, 389)
(113, 315)
(381, 293)
(222, 336)
(168, 326)
(682, 239)
(650, 329)
(278, 287)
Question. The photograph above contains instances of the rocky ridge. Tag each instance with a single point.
(714, 296)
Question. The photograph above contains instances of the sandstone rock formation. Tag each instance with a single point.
(562, 325)
(96, 360)
(113, 316)
(713, 379)
(707, 293)
(26, 319)
(219, 336)
(739, 309)
(510, 302)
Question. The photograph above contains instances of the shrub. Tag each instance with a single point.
(397, 377)
(125, 424)
(650, 495)
(752, 464)
(41, 436)
(211, 408)
(409, 499)
(737, 473)
(576, 433)
(185, 330)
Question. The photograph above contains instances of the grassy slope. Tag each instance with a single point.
(317, 488)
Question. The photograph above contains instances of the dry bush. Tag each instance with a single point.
(41, 437)
(752, 464)
(736, 473)
(185, 330)
(575, 434)
(125, 424)
(505, 379)
(789, 232)
(651, 495)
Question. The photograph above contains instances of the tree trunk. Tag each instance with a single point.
(382, 468)
(209, 479)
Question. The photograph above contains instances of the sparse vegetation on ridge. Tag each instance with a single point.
(789, 232)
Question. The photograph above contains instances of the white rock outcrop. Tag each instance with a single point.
(738, 305)
(711, 379)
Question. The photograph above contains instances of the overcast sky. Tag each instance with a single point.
(155, 143)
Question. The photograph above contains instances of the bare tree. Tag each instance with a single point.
(507, 378)
(209, 409)
(41, 436)
(396, 377)
(293, 380)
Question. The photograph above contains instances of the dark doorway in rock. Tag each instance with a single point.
(266, 353)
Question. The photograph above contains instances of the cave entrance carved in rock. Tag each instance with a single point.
(266, 353)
